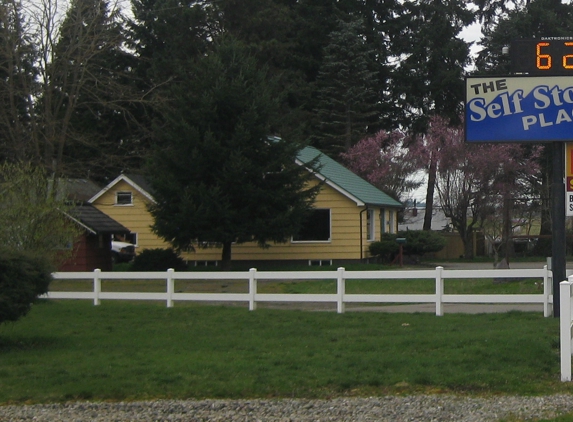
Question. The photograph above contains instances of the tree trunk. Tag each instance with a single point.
(468, 241)
(543, 245)
(432, 169)
(507, 242)
(226, 256)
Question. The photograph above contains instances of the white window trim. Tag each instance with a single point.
(117, 204)
(392, 222)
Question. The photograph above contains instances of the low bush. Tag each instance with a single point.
(418, 243)
(23, 278)
(386, 248)
(158, 260)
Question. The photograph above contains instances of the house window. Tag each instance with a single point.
(392, 222)
(316, 228)
(132, 238)
(129, 238)
(123, 198)
(370, 233)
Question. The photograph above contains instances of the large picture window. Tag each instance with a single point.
(316, 228)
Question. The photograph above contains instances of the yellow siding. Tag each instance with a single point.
(345, 243)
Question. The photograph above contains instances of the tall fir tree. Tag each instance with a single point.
(348, 105)
(164, 34)
(217, 177)
(17, 83)
(431, 55)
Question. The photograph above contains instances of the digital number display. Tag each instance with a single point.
(551, 57)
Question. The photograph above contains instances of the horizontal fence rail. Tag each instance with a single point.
(252, 297)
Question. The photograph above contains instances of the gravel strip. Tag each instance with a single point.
(390, 408)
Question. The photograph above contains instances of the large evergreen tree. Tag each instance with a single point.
(431, 59)
(216, 175)
(17, 82)
(348, 105)
(165, 33)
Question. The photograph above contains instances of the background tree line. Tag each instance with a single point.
(93, 89)
(82, 88)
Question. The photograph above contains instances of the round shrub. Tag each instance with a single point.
(385, 248)
(158, 260)
(420, 242)
(23, 278)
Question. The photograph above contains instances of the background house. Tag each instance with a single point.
(349, 214)
(125, 199)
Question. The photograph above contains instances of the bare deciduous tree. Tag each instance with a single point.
(67, 86)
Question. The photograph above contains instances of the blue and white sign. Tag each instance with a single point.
(519, 109)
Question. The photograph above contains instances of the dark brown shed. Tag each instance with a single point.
(93, 249)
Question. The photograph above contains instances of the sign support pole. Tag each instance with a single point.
(558, 242)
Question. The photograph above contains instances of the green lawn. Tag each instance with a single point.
(69, 350)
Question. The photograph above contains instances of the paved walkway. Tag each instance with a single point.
(453, 308)
(490, 266)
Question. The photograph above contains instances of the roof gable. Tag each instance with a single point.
(345, 181)
(330, 171)
(136, 181)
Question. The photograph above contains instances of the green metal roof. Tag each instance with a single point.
(345, 181)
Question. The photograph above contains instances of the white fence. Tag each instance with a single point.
(565, 318)
(340, 297)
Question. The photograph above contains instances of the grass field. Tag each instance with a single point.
(70, 350)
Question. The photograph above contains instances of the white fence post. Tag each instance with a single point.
(439, 291)
(252, 289)
(547, 286)
(170, 287)
(565, 329)
(97, 286)
(341, 290)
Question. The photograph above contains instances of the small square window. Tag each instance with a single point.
(123, 198)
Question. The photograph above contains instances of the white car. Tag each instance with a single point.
(122, 251)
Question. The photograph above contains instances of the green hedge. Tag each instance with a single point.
(418, 242)
(23, 278)
(158, 260)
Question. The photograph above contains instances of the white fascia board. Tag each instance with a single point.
(333, 185)
(79, 223)
(117, 180)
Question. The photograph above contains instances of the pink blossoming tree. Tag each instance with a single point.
(475, 184)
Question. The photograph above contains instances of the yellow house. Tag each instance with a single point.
(349, 214)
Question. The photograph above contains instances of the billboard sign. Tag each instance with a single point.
(519, 109)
